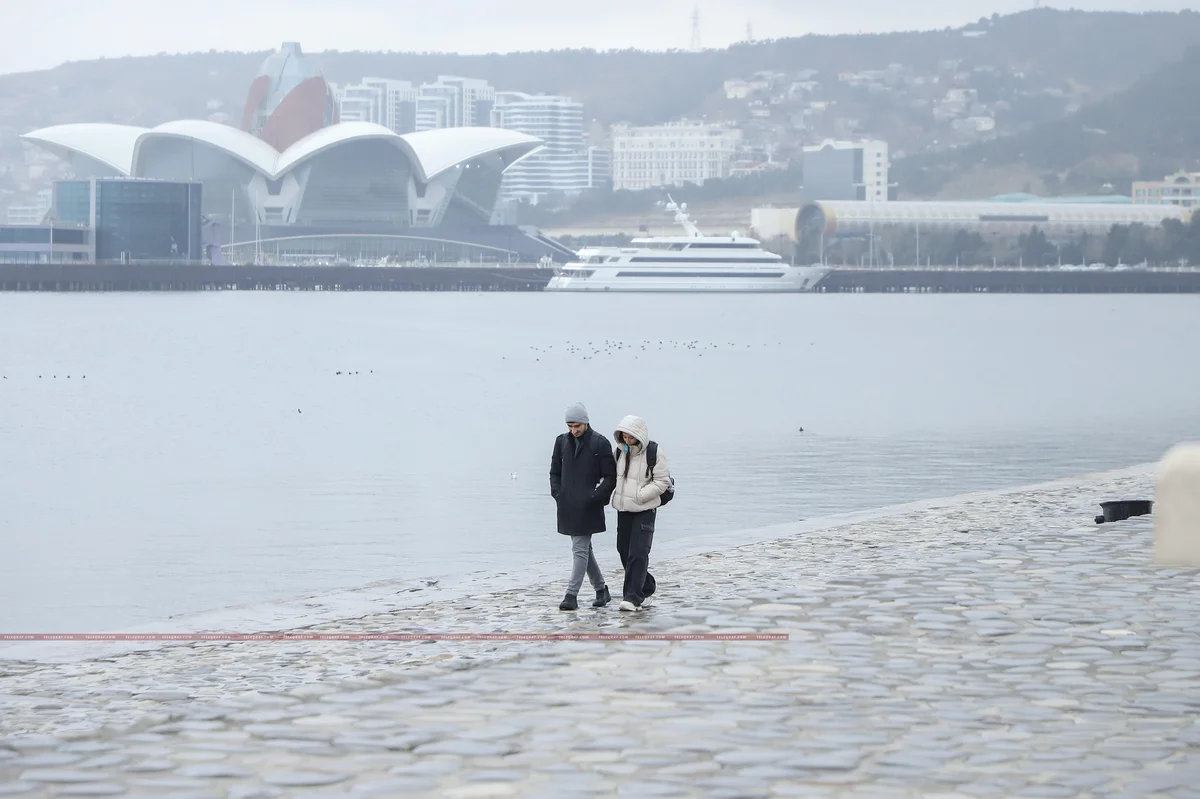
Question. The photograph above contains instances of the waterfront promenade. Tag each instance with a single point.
(998, 644)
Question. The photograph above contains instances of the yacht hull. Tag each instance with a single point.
(794, 280)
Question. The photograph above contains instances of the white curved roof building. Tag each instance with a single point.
(294, 181)
(855, 218)
(353, 172)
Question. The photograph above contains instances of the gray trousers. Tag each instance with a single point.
(583, 561)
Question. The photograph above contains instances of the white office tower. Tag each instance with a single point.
(673, 154)
(562, 166)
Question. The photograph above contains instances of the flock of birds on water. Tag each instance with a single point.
(587, 351)
(593, 349)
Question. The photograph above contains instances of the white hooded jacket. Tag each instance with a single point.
(635, 490)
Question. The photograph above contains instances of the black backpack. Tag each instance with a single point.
(651, 462)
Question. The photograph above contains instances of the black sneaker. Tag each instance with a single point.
(602, 598)
(570, 602)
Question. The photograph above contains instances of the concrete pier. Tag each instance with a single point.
(1011, 281)
(177, 277)
(992, 645)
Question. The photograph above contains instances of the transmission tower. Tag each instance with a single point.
(749, 31)
(696, 28)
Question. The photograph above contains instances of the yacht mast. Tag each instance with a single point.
(682, 217)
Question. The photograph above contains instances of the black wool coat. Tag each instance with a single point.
(582, 482)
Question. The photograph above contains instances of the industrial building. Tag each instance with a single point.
(815, 225)
(832, 220)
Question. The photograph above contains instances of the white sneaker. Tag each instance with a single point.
(628, 606)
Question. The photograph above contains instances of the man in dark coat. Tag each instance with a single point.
(583, 474)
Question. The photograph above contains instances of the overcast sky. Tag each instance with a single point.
(39, 35)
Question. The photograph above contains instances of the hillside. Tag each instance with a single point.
(1097, 53)
(1146, 131)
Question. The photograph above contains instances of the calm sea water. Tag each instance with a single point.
(213, 455)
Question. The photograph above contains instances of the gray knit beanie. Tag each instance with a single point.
(577, 414)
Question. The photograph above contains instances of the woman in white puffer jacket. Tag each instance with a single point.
(637, 495)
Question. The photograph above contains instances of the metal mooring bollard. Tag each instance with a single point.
(1121, 509)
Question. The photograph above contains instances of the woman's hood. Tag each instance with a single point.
(634, 426)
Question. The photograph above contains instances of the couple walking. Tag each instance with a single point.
(585, 472)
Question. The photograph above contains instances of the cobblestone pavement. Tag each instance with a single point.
(1002, 646)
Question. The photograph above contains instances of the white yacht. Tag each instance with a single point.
(693, 262)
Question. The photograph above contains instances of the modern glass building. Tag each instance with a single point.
(44, 244)
(134, 219)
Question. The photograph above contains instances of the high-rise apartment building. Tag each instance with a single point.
(562, 165)
(433, 112)
(845, 170)
(674, 154)
(359, 103)
(398, 103)
(600, 174)
(469, 101)
(391, 103)
(449, 102)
